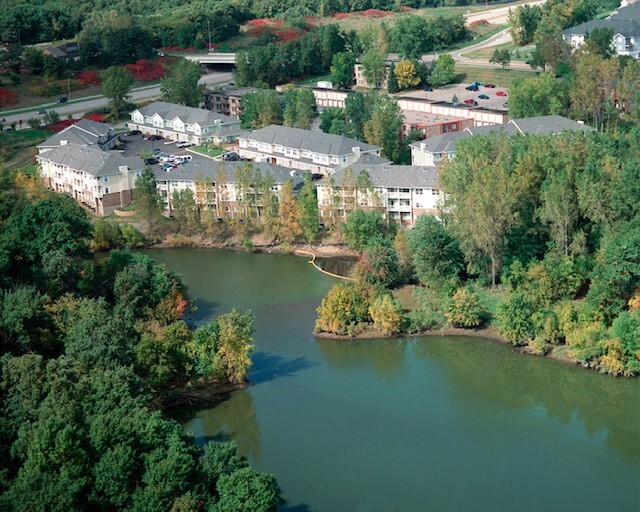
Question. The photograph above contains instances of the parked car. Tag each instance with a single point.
(490, 86)
(156, 137)
(477, 84)
(230, 157)
(41, 112)
(156, 151)
(184, 144)
(471, 102)
(133, 132)
(471, 88)
(483, 97)
(501, 93)
(150, 161)
(62, 100)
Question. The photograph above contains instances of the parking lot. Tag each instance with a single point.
(447, 93)
(135, 144)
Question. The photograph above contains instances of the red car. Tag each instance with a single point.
(490, 86)
(500, 93)
(471, 102)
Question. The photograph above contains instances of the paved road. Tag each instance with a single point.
(500, 38)
(77, 109)
(498, 15)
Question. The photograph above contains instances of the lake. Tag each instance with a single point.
(442, 424)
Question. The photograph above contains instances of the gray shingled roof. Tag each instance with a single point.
(189, 115)
(394, 176)
(372, 159)
(317, 142)
(91, 160)
(444, 143)
(210, 169)
(627, 28)
(84, 132)
(630, 12)
(548, 125)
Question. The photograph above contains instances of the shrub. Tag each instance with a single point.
(586, 342)
(387, 314)
(145, 71)
(7, 97)
(465, 309)
(514, 318)
(546, 326)
(132, 236)
(538, 346)
(424, 319)
(344, 310)
(612, 362)
(87, 78)
(378, 263)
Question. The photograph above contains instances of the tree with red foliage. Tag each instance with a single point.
(7, 97)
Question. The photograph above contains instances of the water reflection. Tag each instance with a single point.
(386, 357)
(234, 419)
(267, 367)
(572, 395)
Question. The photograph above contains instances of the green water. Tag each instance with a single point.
(421, 424)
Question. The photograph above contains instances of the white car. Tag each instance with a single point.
(184, 144)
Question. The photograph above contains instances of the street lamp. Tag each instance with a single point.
(209, 25)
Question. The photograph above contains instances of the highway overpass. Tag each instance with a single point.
(211, 58)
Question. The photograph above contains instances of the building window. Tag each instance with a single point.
(404, 190)
(106, 190)
(419, 191)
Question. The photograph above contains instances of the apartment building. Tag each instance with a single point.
(625, 24)
(305, 150)
(361, 81)
(100, 180)
(227, 101)
(480, 116)
(401, 193)
(438, 149)
(430, 125)
(188, 124)
(86, 133)
(215, 185)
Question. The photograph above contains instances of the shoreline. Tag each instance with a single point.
(490, 334)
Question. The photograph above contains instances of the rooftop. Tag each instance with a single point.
(394, 176)
(189, 115)
(318, 142)
(91, 160)
(84, 132)
(226, 172)
(426, 119)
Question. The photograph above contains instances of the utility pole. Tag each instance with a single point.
(209, 25)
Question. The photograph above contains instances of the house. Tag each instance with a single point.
(100, 180)
(64, 51)
(85, 133)
(401, 193)
(305, 150)
(215, 185)
(227, 101)
(438, 149)
(625, 23)
(188, 124)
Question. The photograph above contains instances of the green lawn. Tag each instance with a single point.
(211, 152)
(313, 80)
(498, 76)
(518, 53)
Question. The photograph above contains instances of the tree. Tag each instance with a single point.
(308, 209)
(360, 227)
(523, 22)
(289, 224)
(387, 314)
(484, 196)
(343, 310)
(443, 72)
(332, 121)
(235, 345)
(551, 49)
(299, 108)
(181, 85)
(436, 254)
(246, 489)
(261, 109)
(116, 84)
(405, 73)
(342, 69)
(373, 67)
(502, 57)
(600, 42)
(392, 82)
(184, 205)
(378, 263)
(538, 96)
(409, 36)
(384, 128)
(629, 90)
(148, 196)
(357, 112)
